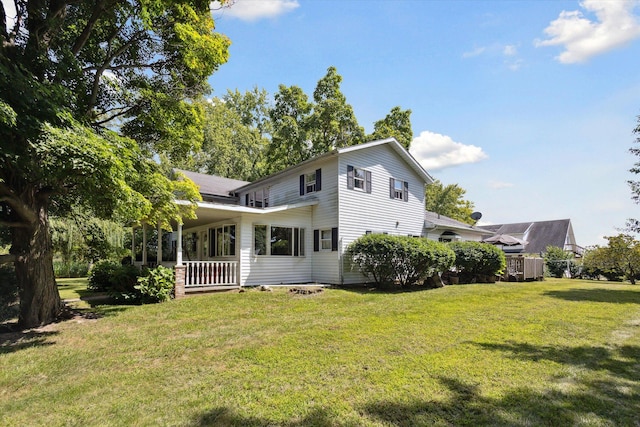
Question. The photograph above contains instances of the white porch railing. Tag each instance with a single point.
(210, 273)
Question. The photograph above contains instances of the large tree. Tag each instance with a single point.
(396, 124)
(333, 123)
(633, 224)
(90, 91)
(448, 200)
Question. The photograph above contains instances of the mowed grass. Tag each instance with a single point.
(558, 352)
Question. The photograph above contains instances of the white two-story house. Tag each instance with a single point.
(294, 226)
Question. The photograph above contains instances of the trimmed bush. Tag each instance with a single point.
(157, 285)
(398, 259)
(477, 262)
(557, 261)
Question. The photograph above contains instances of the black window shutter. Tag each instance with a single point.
(391, 188)
(316, 240)
(406, 191)
(367, 185)
(302, 185)
(334, 239)
(246, 199)
(318, 179)
(350, 177)
(296, 242)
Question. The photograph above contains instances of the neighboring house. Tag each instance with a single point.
(536, 236)
(444, 229)
(294, 226)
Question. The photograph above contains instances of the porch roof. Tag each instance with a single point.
(209, 212)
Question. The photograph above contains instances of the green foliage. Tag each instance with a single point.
(619, 259)
(157, 285)
(78, 80)
(477, 262)
(556, 260)
(633, 224)
(406, 260)
(8, 293)
(119, 280)
(448, 201)
(70, 269)
(397, 124)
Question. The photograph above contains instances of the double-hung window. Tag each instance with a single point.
(325, 240)
(311, 182)
(358, 179)
(399, 189)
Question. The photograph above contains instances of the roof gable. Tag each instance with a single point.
(538, 234)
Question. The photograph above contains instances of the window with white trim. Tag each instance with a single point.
(311, 182)
(278, 241)
(222, 241)
(358, 179)
(258, 198)
(398, 189)
(325, 240)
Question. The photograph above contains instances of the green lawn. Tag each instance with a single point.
(544, 353)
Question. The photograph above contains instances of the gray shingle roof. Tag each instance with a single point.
(212, 184)
(539, 234)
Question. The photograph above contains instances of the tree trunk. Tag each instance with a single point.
(39, 298)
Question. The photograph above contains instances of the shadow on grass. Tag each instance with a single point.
(620, 296)
(590, 404)
(372, 289)
(15, 341)
(226, 417)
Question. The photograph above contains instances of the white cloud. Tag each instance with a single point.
(582, 38)
(253, 10)
(510, 50)
(475, 52)
(435, 151)
(499, 184)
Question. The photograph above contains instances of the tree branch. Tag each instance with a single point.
(99, 9)
(7, 196)
(7, 259)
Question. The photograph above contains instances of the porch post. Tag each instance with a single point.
(144, 244)
(133, 245)
(159, 251)
(179, 245)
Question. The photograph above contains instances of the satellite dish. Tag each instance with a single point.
(476, 216)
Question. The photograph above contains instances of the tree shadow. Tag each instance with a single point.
(19, 340)
(595, 403)
(619, 296)
(226, 417)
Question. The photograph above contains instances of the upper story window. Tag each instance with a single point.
(358, 179)
(258, 198)
(399, 189)
(311, 182)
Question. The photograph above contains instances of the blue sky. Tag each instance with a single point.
(528, 105)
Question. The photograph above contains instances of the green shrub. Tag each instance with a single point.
(477, 262)
(406, 260)
(116, 279)
(70, 269)
(9, 302)
(101, 274)
(157, 285)
(373, 255)
(556, 261)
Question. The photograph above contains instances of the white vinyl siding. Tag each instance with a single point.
(377, 211)
(274, 270)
